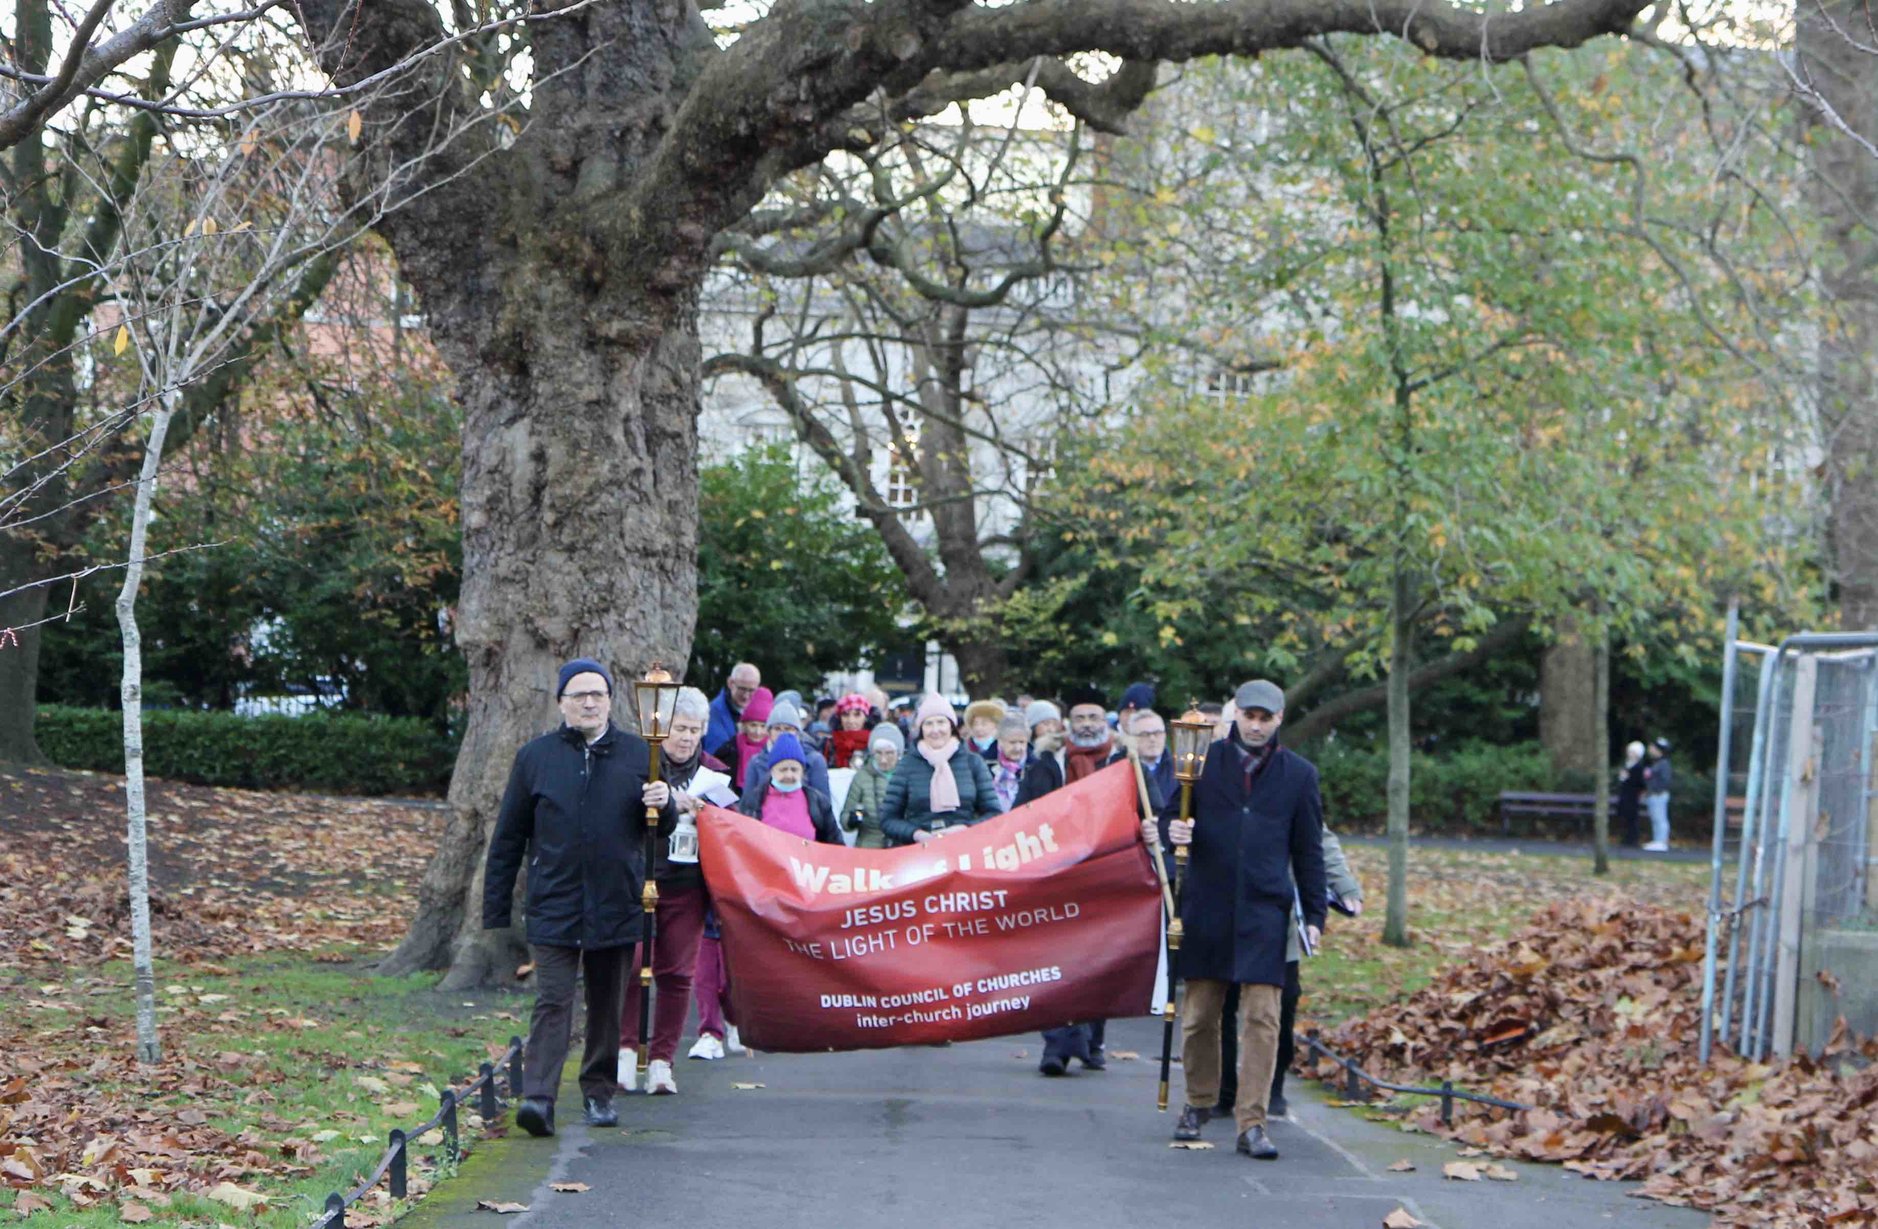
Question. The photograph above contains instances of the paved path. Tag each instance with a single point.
(970, 1135)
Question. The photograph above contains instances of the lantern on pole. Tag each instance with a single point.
(655, 696)
(1190, 736)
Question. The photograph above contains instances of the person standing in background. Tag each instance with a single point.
(1656, 787)
(1630, 793)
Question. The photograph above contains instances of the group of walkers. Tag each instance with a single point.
(1264, 871)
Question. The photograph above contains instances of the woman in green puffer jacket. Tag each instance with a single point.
(868, 791)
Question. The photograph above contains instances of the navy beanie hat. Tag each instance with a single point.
(1138, 695)
(582, 665)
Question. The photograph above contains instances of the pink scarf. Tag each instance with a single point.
(945, 787)
(789, 813)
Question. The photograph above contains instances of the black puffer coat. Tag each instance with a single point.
(1247, 850)
(575, 809)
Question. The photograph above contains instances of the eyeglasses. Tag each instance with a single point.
(583, 697)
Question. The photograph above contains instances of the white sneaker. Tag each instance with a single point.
(708, 1047)
(733, 1044)
(1655, 847)
(659, 1078)
(627, 1077)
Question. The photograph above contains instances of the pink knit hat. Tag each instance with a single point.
(934, 705)
(758, 709)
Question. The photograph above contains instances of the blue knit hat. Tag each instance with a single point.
(787, 747)
(582, 665)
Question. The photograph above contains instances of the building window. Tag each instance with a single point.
(1230, 383)
(902, 492)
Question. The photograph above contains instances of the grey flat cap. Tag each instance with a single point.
(1260, 693)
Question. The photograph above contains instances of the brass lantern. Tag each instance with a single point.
(1192, 735)
(656, 697)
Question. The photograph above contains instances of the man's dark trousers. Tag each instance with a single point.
(1229, 1038)
(550, 1027)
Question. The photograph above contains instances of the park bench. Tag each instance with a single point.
(1579, 808)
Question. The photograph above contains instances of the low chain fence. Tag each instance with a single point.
(1354, 1077)
(394, 1166)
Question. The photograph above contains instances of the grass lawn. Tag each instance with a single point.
(281, 1077)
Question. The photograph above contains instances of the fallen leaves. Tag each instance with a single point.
(235, 1196)
(569, 1188)
(1191, 1145)
(1402, 1166)
(499, 1205)
(1400, 1219)
(1591, 1015)
(747, 1087)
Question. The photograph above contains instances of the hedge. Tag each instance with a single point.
(340, 753)
(1456, 791)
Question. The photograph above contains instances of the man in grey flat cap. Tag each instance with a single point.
(1257, 830)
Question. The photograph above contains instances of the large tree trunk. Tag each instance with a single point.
(1845, 194)
(580, 503)
(1568, 717)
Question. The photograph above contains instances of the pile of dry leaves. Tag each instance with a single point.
(232, 871)
(1592, 1015)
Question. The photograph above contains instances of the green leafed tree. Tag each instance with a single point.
(788, 576)
(1518, 380)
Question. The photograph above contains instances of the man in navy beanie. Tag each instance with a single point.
(575, 810)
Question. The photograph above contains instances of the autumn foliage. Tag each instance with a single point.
(1592, 1015)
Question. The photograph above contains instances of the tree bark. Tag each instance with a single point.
(1845, 195)
(1568, 704)
(19, 663)
(580, 501)
(1601, 796)
(143, 966)
(1395, 922)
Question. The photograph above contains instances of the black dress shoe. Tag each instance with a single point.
(1054, 1064)
(1192, 1118)
(1277, 1107)
(1096, 1060)
(535, 1115)
(600, 1112)
(1257, 1145)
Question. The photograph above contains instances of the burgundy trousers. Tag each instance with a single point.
(674, 956)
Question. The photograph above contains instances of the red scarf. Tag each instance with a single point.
(843, 744)
(1079, 762)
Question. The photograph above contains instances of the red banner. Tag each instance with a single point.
(1044, 916)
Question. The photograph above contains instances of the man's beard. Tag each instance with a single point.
(1086, 741)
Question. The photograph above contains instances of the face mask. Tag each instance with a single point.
(780, 788)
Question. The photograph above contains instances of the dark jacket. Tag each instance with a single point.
(723, 724)
(1657, 776)
(907, 807)
(821, 811)
(1630, 792)
(1045, 774)
(574, 808)
(1247, 851)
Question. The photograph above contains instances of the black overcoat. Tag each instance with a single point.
(1247, 850)
(574, 808)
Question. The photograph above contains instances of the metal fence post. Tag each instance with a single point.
(400, 1167)
(1352, 1083)
(515, 1068)
(488, 1108)
(450, 1142)
(1447, 1103)
(335, 1217)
